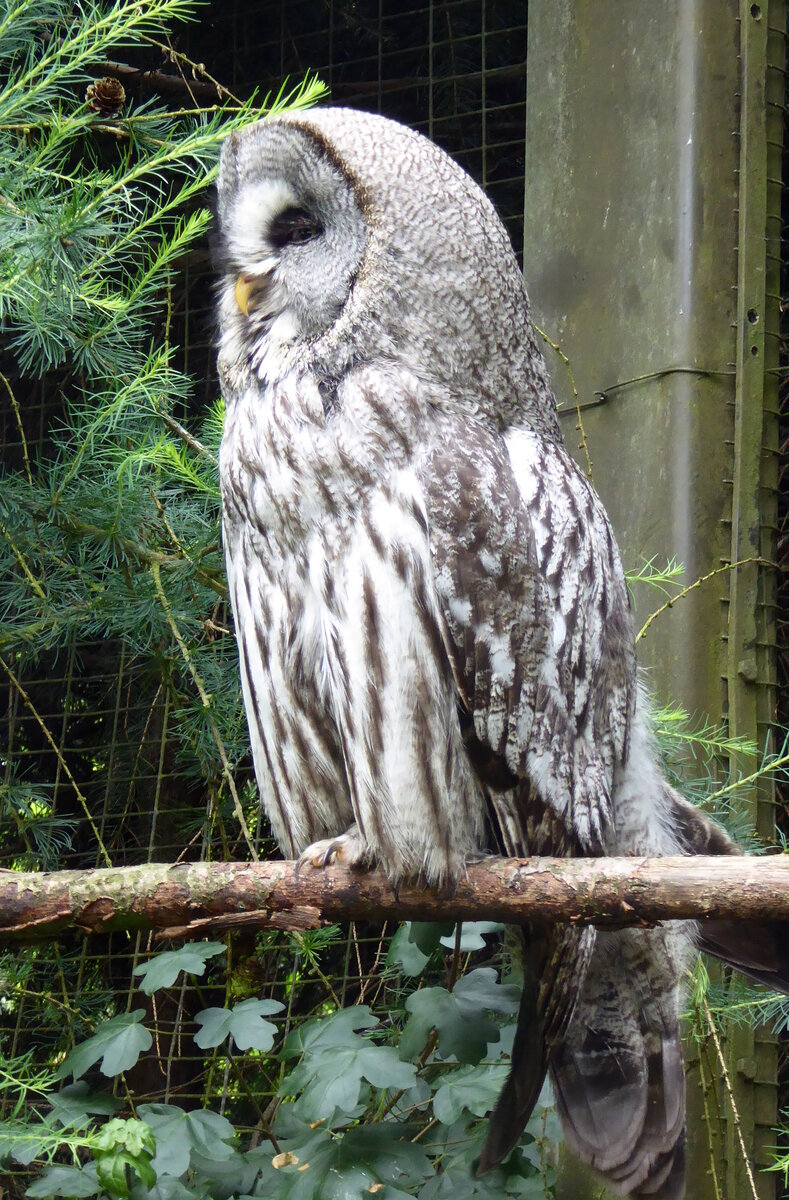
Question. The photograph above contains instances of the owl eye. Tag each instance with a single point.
(292, 227)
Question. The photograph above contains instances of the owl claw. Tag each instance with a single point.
(347, 849)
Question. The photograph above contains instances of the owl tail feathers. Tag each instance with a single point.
(613, 1051)
(554, 963)
(522, 1089)
(623, 1115)
(760, 949)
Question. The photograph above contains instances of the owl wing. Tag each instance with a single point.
(537, 624)
(538, 631)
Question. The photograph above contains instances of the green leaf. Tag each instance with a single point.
(474, 1090)
(228, 1177)
(73, 1103)
(427, 935)
(66, 1181)
(456, 1184)
(129, 1134)
(244, 1022)
(471, 935)
(178, 1133)
(333, 1081)
(324, 1033)
(404, 953)
(458, 1017)
(480, 989)
(163, 970)
(344, 1167)
(165, 1188)
(118, 1043)
(330, 1076)
(124, 1144)
(111, 1171)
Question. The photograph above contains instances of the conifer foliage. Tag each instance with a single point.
(109, 525)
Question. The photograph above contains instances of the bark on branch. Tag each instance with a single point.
(199, 898)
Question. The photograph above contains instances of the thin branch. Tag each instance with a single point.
(160, 81)
(730, 1093)
(197, 68)
(743, 562)
(20, 427)
(206, 702)
(584, 445)
(182, 433)
(64, 765)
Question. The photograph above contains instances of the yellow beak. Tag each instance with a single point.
(245, 294)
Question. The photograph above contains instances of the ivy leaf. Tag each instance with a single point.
(244, 1022)
(165, 1188)
(326, 1033)
(404, 953)
(458, 1017)
(73, 1103)
(111, 1172)
(545, 1118)
(481, 989)
(435, 1008)
(475, 1091)
(178, 1133)
(471, 935)
(455, 1184)
(528, 1187)
(162, 970)
(118, 1042)
(227, 1177)
(458, 1146)
(504, 1042)
(331, 1081)
(66, 1181)
(322, 1167)
(119, 1145)
(427, 935)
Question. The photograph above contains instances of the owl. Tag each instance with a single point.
(434, 631)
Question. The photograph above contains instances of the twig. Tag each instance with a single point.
(766, 562)
(58, 752)
(730, 1092)
(772, 765)
(22, 561)
(206, 702)
(197, 68)
(158, 81)
(580, 426)
(20, 427)
(183, 434)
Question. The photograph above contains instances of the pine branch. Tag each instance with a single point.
(198, 898)
(160, 81)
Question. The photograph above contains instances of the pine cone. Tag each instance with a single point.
(106, 97)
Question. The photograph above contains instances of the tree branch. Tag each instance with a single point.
(199, 898)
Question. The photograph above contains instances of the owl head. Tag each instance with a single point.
(349, 239)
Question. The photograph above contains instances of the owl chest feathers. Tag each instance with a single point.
(352, 705)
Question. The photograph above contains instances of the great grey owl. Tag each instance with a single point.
(435, 638)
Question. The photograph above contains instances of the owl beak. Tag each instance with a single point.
(247, 293)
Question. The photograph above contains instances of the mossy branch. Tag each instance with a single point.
(194, 899)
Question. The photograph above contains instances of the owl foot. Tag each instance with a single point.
(347, 849)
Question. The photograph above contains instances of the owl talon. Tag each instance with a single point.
(347, 849)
